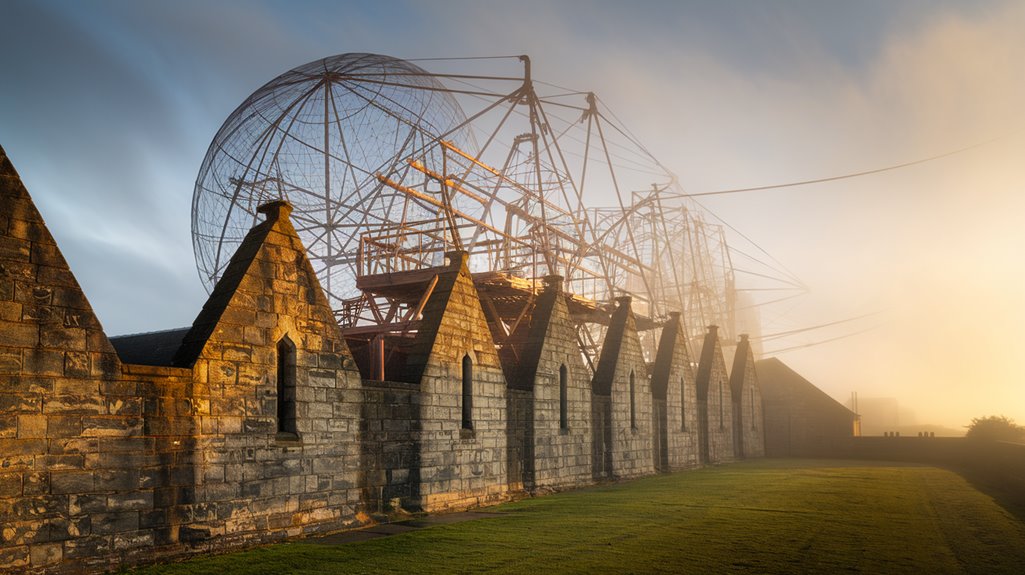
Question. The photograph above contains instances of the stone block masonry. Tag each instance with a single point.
(715, 415)
(253, 424)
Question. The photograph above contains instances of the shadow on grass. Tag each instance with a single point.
(1005, 485)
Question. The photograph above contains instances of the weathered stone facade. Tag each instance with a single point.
(253, 478)
(748, 418)
(623, 401)
(549, 398)
(715, 417)
(462, 463)
(675, 400)
(255, 423)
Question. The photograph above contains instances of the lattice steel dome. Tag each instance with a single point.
(319, 136)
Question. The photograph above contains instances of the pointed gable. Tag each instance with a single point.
(46, 322)
(781, 385)
(743, 367)
(711, 358)
(672, 351)
(270, 254)
(529, 341)
(622, 325)
(452, 315)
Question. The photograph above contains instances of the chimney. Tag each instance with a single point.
(275, 210)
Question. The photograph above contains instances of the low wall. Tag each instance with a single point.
(390, 446)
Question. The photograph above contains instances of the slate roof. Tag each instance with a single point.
(152, 348)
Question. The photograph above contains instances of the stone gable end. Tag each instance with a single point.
(673, 379)
(460, 467)
(273, 322)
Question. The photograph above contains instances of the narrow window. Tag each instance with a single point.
(751, 394)
(563, 397)
(286, 386)
(720, 405)
(633, 403)
(467, 392)
(683, 404)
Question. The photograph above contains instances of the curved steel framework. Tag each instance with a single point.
(389, 166)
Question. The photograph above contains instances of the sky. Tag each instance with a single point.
(107, 109)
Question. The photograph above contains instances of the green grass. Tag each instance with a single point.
(772, 516)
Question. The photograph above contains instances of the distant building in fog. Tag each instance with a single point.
(879, 415)
(800, 419)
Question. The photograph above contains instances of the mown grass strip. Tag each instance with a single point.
(771, 516)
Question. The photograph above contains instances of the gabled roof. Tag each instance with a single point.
(708, 357)
(779, 382)
(606, 370)
(532, 344)
(739, 371)
(197, 336)
(152, 348)
(664, 357)
(433, 313)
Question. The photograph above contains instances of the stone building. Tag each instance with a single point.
(748, 419)
(549, 402)
(622, 401)
(675, 400)
(715, 418)
(106, 460)
(264, 420)
(800, 419)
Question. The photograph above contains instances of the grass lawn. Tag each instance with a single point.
(771, 516)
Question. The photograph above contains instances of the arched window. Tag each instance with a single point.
(563, 397)
(286, 386)
(467, 392)
(683, 404)
(633, 402)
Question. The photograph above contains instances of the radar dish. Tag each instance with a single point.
(324, 136)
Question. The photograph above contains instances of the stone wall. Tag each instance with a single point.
(748, 420)
(673, 383)
(390, 446)
(254, 482)
(105, 463)
(70, 497)
(460, 467)
(623, 375)
(520, 462)
(714, 398)
(553, 455)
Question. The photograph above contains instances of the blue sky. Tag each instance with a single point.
(107, 109)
